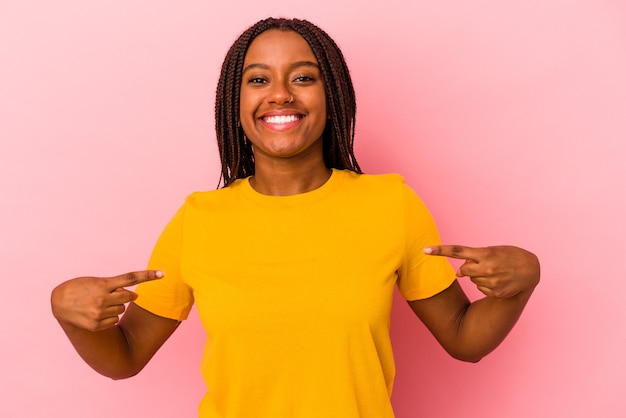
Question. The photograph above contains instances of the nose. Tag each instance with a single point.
(280, 94)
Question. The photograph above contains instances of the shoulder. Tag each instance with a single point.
(376, 184)
(374, 180)
(213, 199)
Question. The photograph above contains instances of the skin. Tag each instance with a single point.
(88, 309)
(281, 78)
(469, 331)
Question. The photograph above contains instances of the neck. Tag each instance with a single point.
(286, 178)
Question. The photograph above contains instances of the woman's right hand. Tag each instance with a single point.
(95, 303)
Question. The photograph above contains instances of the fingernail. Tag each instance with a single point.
(428, 250)
(159, 274)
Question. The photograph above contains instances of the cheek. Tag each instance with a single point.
(242, 106)
(324, 111)
(324, 105)
(246, 112)
(246, 101)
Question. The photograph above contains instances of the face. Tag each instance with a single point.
(282, 101)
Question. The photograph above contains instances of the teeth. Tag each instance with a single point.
(281, 119)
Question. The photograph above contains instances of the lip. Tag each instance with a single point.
(284, 126)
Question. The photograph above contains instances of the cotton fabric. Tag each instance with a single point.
(295, 292)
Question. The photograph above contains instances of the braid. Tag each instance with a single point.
(235, 149)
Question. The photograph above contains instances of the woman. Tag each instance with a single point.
(293, 263)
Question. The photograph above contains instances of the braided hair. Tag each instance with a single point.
(235, 149)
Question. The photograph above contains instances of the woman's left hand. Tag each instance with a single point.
(499, 272)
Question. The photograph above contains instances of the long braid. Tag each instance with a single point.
(235, 149)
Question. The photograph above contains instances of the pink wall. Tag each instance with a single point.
(508, 118)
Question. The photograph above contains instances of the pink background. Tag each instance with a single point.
(508, 118)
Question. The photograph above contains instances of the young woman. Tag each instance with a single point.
(292, 264)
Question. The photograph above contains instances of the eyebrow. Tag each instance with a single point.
(292, 66)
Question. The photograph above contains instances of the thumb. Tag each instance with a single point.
(133, 295)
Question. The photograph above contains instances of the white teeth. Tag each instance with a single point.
(281, 119)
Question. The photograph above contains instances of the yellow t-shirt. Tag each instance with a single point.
(295, 292)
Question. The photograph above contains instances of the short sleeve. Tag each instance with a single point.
(421, 275)
(168, 297)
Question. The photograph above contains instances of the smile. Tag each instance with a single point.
(279, 120)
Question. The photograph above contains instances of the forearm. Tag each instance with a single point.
(484, 325)
(107, 351)
(468, 331)
(89, 308)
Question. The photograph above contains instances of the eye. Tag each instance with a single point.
(304, 79)
(257, 80)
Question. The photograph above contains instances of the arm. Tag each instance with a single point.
(88, 309)
(469, 331)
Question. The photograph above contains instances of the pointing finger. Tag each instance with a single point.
(454, 251)
(132, 279)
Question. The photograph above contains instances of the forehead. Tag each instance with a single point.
(276, 46)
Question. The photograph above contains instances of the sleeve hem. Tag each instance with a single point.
(425, 293)
(162, 311)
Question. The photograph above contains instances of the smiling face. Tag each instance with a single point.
(282, 101)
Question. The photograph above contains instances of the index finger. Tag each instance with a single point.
(454, 251)
(132, 279)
